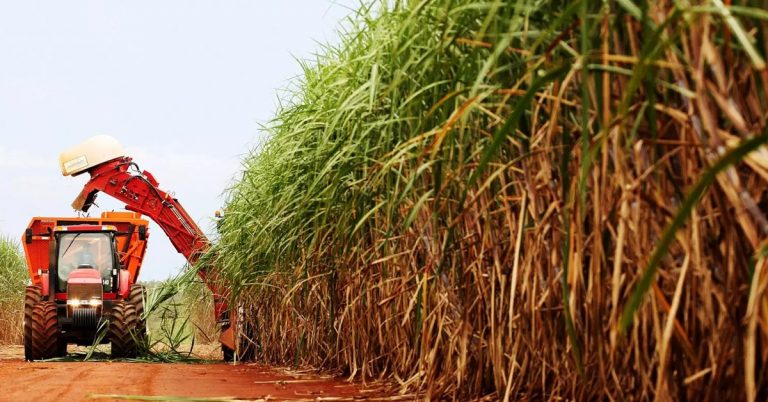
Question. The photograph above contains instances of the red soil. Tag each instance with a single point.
(74, 381)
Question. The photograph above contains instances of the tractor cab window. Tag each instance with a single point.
(83, 251)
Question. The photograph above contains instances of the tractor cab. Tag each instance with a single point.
(86, 247)
(84, 268)
(83, 272)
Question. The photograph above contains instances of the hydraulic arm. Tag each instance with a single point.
(121, 178)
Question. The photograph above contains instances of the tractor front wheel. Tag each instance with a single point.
(136, 297)
(44, 331)
(122, 330)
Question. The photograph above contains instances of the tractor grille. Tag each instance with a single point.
(85, 318)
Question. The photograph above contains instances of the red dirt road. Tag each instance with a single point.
(77, 381)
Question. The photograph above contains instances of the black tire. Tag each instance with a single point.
(247, 346)
(61, 350)
(32, 296)
(122, 330)
(229, 354)
(136, 297)
(246, 349)
(44, 331)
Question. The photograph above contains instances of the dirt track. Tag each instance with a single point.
(75, 381)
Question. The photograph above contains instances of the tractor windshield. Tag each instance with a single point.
(85, 250)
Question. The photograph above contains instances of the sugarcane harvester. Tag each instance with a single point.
(114, 173)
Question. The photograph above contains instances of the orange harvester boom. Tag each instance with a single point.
(122, 179)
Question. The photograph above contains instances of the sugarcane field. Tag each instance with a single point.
(384, 200)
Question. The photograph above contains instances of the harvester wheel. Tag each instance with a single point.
(246, 348)
(136, 297)
(122, 330)
(44, 331)
(31, 297)
(229, 354)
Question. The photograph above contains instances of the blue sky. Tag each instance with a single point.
(182, 84)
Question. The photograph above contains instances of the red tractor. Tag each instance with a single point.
(84, 273)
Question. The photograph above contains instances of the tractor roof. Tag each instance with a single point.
(85, 228)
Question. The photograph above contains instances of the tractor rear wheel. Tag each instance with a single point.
(32, 296)
(122, 330)
(45, 331)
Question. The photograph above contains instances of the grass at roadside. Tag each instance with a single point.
(527, 199)
(13, 279)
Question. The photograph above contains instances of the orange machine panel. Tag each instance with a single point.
(131, 240)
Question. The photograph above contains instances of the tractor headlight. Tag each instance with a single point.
(78, 303)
